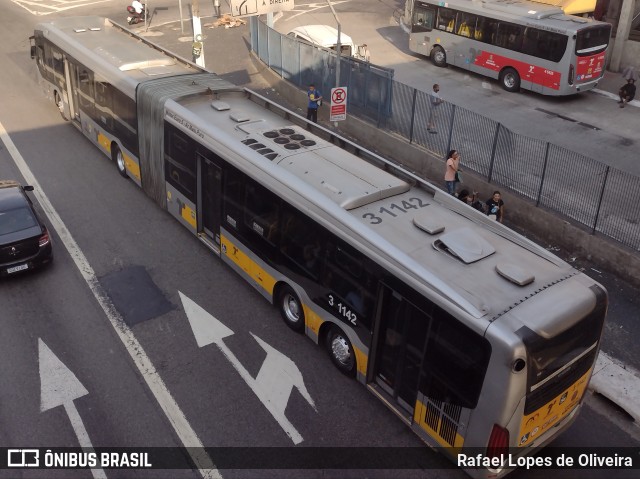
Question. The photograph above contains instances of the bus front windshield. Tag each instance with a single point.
(593, 40)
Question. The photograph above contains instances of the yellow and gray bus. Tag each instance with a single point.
(474, 336)
(523, 44)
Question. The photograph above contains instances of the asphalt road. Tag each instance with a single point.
(143, 260)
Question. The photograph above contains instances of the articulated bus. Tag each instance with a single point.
(474, 336)
(523, 44)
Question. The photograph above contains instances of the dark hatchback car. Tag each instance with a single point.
(24, 240)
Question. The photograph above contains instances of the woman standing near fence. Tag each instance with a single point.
(451, 173)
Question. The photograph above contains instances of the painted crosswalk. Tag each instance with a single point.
(47, 7)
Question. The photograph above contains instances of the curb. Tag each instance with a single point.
(618, 383)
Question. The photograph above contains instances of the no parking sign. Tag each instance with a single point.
(338, 104)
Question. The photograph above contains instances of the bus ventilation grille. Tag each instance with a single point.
(443, 418)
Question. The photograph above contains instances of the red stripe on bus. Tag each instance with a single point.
(527, 72)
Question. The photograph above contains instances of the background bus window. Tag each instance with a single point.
(591, 41)
(509, 36)
(446, 19)
(466, 25)
(542, 44)
(486, 30)
(423, 20)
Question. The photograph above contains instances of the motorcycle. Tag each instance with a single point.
(135, 16)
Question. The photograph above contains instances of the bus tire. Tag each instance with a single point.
(510, 80)
(438, 56)
(291, 309)
(341, 351)
(59, 104)
(118, 158)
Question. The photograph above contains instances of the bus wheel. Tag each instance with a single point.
(438, 56)
(510, 80)
(60, 104)
(118, 157)
(341, 351)
(291, 309)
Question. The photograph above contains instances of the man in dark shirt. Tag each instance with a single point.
(627, 92)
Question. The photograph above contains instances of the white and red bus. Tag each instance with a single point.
(523, 44)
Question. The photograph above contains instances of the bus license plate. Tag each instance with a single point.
(15, 269)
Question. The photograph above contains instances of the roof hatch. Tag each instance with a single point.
(464, 244)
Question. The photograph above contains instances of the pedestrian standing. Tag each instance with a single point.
(451, 172)
(315, 100)
(495, 207)
(435, 101)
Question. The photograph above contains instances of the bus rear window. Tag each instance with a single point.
(593, 40)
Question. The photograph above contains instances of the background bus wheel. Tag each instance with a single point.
(291, 309)
(510, 80)
(341, 351)
(60, 104)
(119, 159)
(438, 56)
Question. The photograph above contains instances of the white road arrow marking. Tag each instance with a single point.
(278, 374)
(60, 387)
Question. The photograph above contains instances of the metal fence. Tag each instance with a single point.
(369, 85)
(604, 199)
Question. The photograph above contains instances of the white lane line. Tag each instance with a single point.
(618, 383)
(49, 9)
(147, 370)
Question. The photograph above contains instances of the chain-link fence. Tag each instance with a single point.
(600, 197)
(303, 64)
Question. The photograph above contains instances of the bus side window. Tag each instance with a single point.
(467, 25)
(261, 209)
(423, 20)
(446, 19)
(302, 241)
(509, 36)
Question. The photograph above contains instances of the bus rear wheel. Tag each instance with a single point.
(340, 351)
(510, 80)
(291, 309)
(118, 157)
(438, 56)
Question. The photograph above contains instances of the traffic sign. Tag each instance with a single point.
(338, 109)
(248, 8)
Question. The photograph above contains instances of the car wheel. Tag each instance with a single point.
(510, 80)
(118, 157)
(291, 309)
(438, 56)
(340, 351)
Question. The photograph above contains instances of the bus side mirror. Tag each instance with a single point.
(33, 51)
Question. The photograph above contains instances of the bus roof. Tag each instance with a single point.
(520, 11)
(441, 244)
(107, 48)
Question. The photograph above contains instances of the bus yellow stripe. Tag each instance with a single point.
(104, 142)
(361, 360)
(133, 168)
(250, 267)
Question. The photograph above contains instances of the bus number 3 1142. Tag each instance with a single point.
(343, 310)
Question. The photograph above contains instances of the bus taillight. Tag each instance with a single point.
(498, 441)
(571, 74)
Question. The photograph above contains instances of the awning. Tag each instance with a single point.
(572, 7)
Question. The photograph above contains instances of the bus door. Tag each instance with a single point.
(400, 343)
(209, 200)
(71, 73)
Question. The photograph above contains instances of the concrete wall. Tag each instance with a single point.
(604, 253)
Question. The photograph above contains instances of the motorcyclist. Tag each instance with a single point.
(137, 11)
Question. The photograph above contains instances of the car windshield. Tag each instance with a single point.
(17, 219)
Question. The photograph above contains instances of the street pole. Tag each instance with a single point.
(338, 45)
(198, 39)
